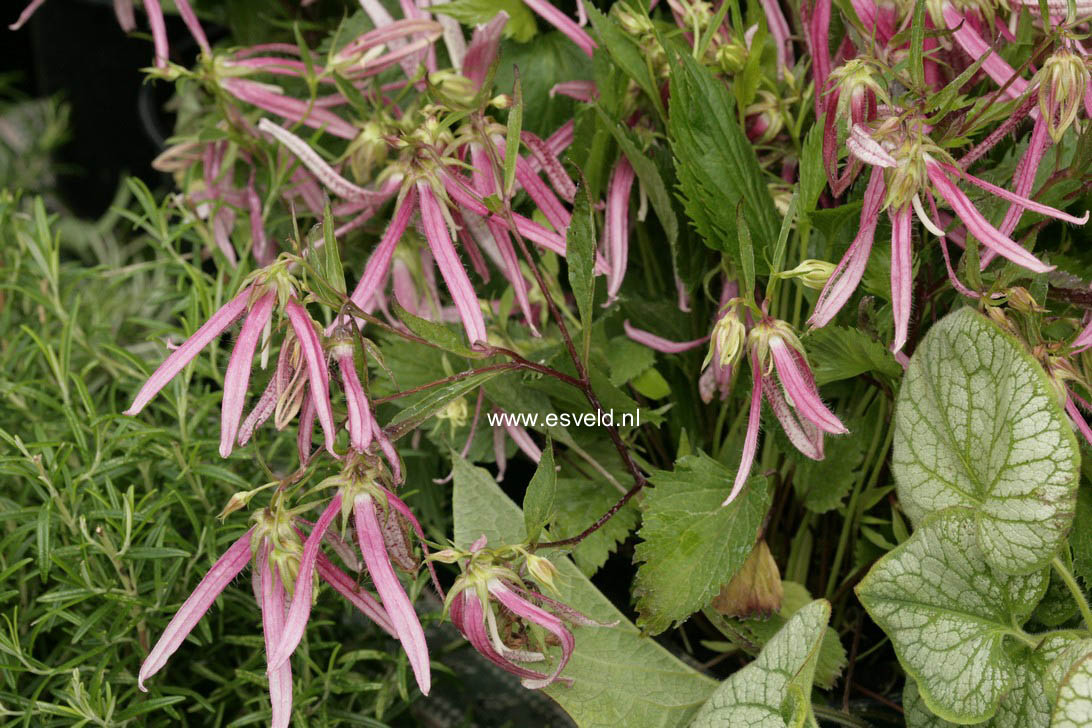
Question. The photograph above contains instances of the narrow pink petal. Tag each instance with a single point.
(306, 429)
(956, 283)
(272, 606)
(399, 505)
(159, 31)
(447, 260)
(1024, 179)
(665, 346)
(561, 139)
(535, 614)
(395, 601)
(1077, 418)
(543, 196)
(468, 615)
(360, 414)
(274, 101)
(189, 614)
(843, 282)
(123, 11)
(616, 227)
(750, 441)
(499, 453)
(24, 16)
(193, 25)
(344, 585)
(795, 377)
(805, 437)
(978, 226)
(483, 48)
(316, 164)
(548, 162)
(816, 18)
(545, 10)
(380, 260)
(1025, 202)
(317, 373)
(971, 42)
(585, 91)
(902, 274)
(261, 412)
(259, 242)
(867, 149)
(300, 610)
(237, 377)
(523, 441)
(186, 353)
(779, 30)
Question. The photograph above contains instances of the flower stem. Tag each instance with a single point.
(1074, 589)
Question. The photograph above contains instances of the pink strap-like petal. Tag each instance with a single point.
(451, 268)
(468, 615)
(360, 414)
(843, 282)
(616, 227)
(978, 226)
(902, 274)
(380, 260)
(318, 375)
(237, 377)
(189, 614)
(184, 354)
(268, 584)
(344, 585)
(159, 31)
(658, 343)
(750, 442)
(300, 610)
(796, 379)
(535, 614)
(395, 601)
(545, 10)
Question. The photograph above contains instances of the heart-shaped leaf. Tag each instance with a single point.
(978, 425)
(1073, 707)
(948, 614)
(773, 691)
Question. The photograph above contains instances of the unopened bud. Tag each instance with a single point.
(1063, 82)
(1021, 300)
(811, 273)
(543, 571)
(454, 88)
(755, 590)
(445, 556)
(731, 58)
(729, 338)
(633, 23)
(236, 502)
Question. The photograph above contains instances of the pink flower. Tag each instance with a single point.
(781, 374)
(545, 10)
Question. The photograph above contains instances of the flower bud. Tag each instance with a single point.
(369, 150)
(543, 571)
(812, 273)
(456, 89)
(729, 337)
(445, 556)
(1063, 81)
(1021, 300)
(236, 502)
(731, 58)
(755, 590)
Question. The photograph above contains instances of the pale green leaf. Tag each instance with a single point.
(437, 399)
(1073, 707)
(691, 544)
(627, 359)
(978, 425)
(1026, 705)
(578, 504)
(580, 255)
(773, 691)
(948, 613)
(620, 678)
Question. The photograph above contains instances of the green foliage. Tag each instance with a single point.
(978, 425)
(690, 544)
(521, 21)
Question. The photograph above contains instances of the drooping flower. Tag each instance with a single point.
(371, 507)
(256, 300)
(490, 604)
(906, 165)
(781, 375)
(273, 545)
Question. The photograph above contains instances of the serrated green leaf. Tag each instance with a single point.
(625, 53)
(515, 126)
(651, 384)
(691, 545)
(620, 678)
(579, 503)
(948, 613)
(716, 164)
(408, 419)
(774, 690)
(978, 424)
(822, 484)
(813, 178)
(538, 501)
(836, 352)
(627, 359)
(434, 333)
